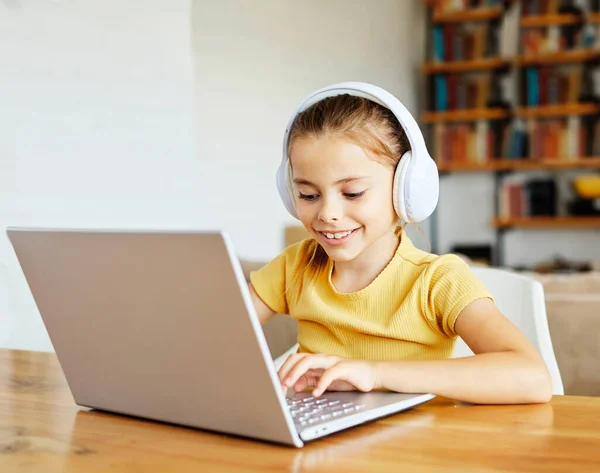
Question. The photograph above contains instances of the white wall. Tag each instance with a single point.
(167, 114)
(97, 125)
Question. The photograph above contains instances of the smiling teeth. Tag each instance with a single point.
(337, 236)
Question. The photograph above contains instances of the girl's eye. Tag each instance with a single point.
(308, 197)
(354, 195)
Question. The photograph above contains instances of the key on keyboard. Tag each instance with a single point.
(308, 411)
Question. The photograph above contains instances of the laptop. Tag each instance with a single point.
(160, 325)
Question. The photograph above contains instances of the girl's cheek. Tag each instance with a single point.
(303, 213)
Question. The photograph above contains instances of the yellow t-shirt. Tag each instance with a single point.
(407, 313)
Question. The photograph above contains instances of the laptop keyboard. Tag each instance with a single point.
(310, 410)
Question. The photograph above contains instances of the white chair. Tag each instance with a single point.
(521, 300)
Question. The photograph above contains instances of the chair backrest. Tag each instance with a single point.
(521, 299)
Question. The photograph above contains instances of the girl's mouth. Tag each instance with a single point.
(337, 238)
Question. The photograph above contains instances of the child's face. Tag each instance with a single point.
(343, 193)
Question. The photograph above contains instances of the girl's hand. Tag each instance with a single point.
(327, 372)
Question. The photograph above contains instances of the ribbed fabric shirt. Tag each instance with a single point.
(407, 313)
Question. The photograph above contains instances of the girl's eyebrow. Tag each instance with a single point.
(341, 181)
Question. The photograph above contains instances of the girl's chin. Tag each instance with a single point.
(341, 254)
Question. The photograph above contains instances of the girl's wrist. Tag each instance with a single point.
(379, 372)
(389, 376)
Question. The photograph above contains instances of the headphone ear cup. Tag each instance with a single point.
(285, 187)
(399, 187)
(416, 188)
(424, 191)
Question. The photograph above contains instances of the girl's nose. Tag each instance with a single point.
(327, 219)
(329, 212)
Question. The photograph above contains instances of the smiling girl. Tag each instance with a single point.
(373, 311)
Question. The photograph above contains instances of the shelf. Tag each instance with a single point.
(464, 115)
(554, 164)
(557, 110)
(522, 165)
(593, 17)
(565, 222)
(471, 167)
(472, 14)
(532, 21)
(465, 66)
(561, 57)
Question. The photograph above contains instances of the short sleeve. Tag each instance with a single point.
(449, 286)
(272, 280)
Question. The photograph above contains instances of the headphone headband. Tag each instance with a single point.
(370, 92)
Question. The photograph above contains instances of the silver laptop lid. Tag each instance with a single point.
(155, 324)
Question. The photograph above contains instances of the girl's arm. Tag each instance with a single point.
(506, 367)
(263, 310)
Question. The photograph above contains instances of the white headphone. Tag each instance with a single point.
(416, 180)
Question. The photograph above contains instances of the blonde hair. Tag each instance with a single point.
(367, 124)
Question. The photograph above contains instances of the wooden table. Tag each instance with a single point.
(42, 430)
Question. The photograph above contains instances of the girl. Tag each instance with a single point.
(373, 311)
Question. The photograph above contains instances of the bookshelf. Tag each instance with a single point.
(467, 14)
(561, 57)
(551, 123)
(473, 114)
(536, 20)
(561, 222)
(548, 111)
(484, 64)
(522, 166)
